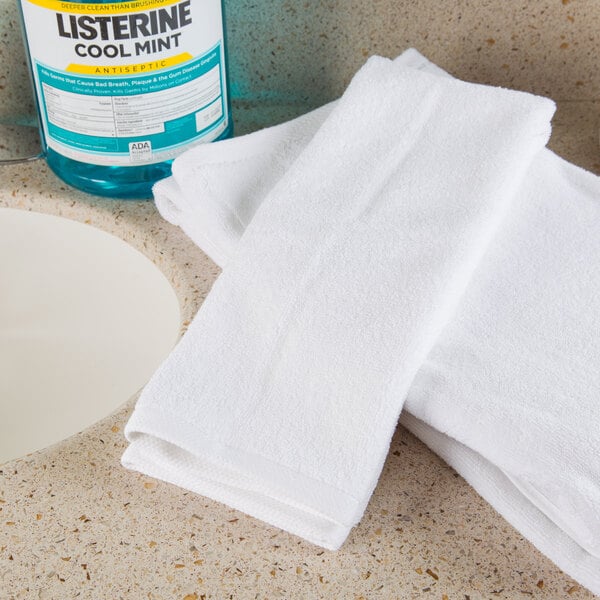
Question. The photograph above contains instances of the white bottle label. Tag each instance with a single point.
(127, 83)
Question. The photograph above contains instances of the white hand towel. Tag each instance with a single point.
(500, 372)
(515, 375)
(282, 397)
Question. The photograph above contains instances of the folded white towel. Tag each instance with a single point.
(515, 375)
(282, 397)
(513, 379)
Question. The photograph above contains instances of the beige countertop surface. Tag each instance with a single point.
(75, 524)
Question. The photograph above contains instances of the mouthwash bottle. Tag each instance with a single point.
(124, 87)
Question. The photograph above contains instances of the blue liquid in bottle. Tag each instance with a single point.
(124, 87)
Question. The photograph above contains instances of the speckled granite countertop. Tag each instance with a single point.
(75, 524)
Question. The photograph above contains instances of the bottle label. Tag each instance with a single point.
(127, 83)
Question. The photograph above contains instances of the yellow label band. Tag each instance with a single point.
(114, 8)
(139, 68)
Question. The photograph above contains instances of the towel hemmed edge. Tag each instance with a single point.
(497, 489)
(242, 480)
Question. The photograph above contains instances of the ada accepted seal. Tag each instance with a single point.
(140, 151)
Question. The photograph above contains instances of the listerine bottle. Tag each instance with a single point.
(124, 87)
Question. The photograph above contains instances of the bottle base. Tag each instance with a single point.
(127, 183)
